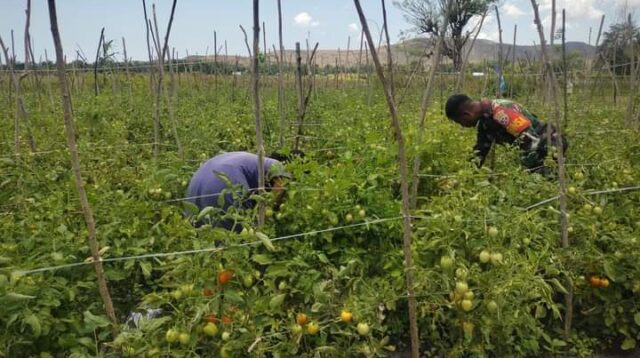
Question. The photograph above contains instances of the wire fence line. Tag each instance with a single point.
(588, 193)
(204, 250)
(89, 261)
(292, 236)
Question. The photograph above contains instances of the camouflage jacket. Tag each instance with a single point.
(505, 122)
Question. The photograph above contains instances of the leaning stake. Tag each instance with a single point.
(404, 185)
(75, 164)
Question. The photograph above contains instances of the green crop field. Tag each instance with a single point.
(489, 274)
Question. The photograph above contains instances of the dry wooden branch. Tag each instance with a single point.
(404, 185)
(75, 163)
(281, 78)
(564, 236)
(256, 106)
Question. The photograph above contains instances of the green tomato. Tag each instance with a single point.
(176, 294)
(597, 210)
(210, 329)
(461, 287)
(461, 273)
(226, 336)
(296, 329)
(187, 290)
(466, 305)
(492, 306)
(484, 256)
(184, 338)
(363, 329)
(492, 231)
(446, 262)
(172, 335)
(468, 295)
(496, 258)
(247, 281)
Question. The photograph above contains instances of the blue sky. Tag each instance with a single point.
(329, 22)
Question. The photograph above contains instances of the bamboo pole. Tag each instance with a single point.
(513, 60)
(385, 28)
(632, 71)
(498, 80)
(75, 163)
(256, 107)
(300, 95)
(564, 224)
(404, 184)
(95, 65)
(552, 34)
(281, 78)
(21, 110)
(126, 66)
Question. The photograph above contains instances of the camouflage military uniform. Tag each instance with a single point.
(506, 122)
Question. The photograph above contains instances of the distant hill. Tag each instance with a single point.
(407, 51)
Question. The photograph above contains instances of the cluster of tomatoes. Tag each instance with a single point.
(596, 281)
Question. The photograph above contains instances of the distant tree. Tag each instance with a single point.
(615, 47)
(427, 15)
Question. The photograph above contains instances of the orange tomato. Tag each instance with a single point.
(211, 318)
(595, 281)
(207, 292)
(301, 319)
(227, 320)
(224, 277)
(604, 282)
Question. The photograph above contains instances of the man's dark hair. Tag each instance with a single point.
(287, 157)
(455, 105)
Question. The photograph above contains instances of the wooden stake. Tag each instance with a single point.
(564, 235)
(498, 92)
(404, 185)
(95, 65)
(256, 107)
(281, 78)
(75, 163)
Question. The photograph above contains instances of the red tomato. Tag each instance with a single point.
(224, 277)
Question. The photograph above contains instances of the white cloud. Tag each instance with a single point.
(353, 27)
(576, 9)
(303, 19)
(492, 35)
(512, 10)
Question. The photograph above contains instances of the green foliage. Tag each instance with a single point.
(349, 177)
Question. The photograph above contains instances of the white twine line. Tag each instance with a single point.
(590, 192)
(90, 147)
(209, 249)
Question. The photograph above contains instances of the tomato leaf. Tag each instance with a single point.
(277, 301)
(33, 321)
(12, 296)
(233, 297)
(558, 286)
(94, 321)
(628, 343)
(636, 318)
(265, 241)
(609, 271)
(262, 259)
(146, 267)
